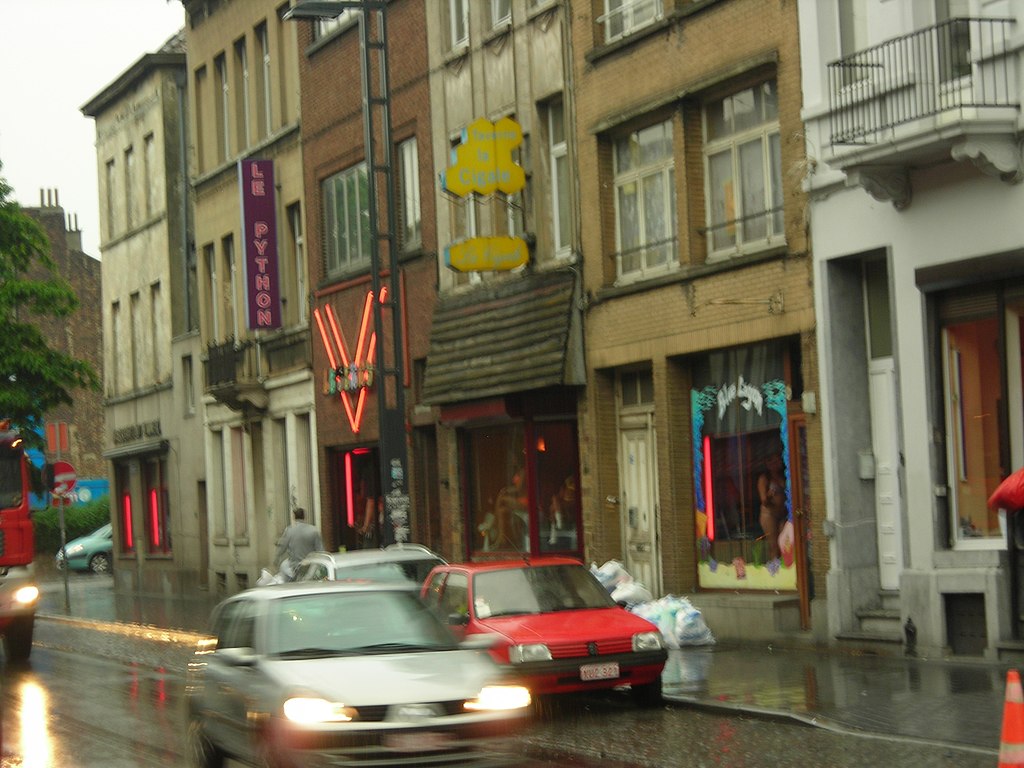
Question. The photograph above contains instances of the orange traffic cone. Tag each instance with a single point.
(1011, 745)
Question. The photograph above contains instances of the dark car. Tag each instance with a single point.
(401, 562)
(553, 623)
(344, 673)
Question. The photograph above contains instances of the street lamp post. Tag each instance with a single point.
(390, 379)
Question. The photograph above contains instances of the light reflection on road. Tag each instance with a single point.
(35, 736)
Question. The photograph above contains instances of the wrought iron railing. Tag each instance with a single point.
(230, 362)
(958, 66)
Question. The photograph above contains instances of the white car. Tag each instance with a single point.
(398, 562)
(318, 674)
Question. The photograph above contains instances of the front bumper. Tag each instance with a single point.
(564, 676)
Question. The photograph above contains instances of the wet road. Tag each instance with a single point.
(93, 699)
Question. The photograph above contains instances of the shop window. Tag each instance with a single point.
(157, 511)
(972, 369)
(744, 510)
(124, 495)
(522, 490)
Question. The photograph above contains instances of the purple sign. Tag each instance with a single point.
(259, 233)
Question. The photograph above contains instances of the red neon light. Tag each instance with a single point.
(354, 413)
(154, 519)
(350, 501)
(709, 494)
(126, 504)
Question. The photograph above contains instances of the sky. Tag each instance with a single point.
(55, 55)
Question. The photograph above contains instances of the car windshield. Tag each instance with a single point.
(537, 589)
(410, 570)
(344, 623)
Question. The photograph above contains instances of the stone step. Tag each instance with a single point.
(880, 621)
(879, 643)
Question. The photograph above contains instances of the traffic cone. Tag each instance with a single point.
(1011, 745)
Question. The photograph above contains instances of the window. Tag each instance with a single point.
(263, 80)
(122, 478)
(230, 305)
(853, 36)
(501, 13)
(239, 487)
(742, 476)
(116, 344)
(325, 27)
(242, 94)
(158, 516)
(645, 201)
(521, 487)
(294, 297)
(624, 17)
(151, 176)
(743, 161)
(131, 210)
(458, 18)
(976, 370)
(188, 385)
(223, 96)
(157, 334)
(346, 219)
(558, 151)
(191, 289)
(110, 177)
(200, 110)
(954, 38)
(135, 321)
(210, 258)
(409, 189)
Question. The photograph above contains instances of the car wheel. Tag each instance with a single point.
(18, 639)
(100, 563)
(201, 752)
(648, 695)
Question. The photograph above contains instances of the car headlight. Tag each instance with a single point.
(498, 697)
(647, 641)
(27, 595)
(309, 710)
(75, 550)
(519, 654)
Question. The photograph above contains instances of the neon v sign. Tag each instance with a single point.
(353, 376)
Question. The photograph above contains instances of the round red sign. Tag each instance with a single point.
(64, 477)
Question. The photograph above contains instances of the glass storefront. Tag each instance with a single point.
(742, 472)
(522, 487)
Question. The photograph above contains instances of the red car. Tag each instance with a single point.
(556, 625)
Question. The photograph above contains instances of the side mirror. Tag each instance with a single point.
(237, 657)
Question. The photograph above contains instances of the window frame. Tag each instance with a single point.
(339, 260)
(664, 168)
(558, 153)
(458, 24)
(768, 133)
(410, 205)
(619, 17)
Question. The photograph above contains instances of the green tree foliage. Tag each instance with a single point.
(33, 377)
(78, 521)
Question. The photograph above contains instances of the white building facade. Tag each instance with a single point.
(913, 134)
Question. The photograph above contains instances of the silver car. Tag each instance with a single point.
(398, 562)
(327, 674)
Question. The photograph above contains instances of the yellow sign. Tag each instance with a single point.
(483, 162)
(497, 254)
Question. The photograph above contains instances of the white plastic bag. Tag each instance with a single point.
(631, 592)
(610, 574)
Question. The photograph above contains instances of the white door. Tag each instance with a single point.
(638, 505)
(885, 446)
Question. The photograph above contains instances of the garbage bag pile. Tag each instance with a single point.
(679, 621)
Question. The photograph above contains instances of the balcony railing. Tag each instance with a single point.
(957, 67)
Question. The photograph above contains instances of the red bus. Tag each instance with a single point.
(19, 594)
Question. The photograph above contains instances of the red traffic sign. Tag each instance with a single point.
(64, 477)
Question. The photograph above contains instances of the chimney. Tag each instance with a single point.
(74, 234)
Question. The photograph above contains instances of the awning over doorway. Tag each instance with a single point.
(515, 335)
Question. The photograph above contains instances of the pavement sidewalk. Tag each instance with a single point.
(938, 701)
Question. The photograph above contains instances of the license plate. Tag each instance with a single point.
(417, 741)
(607, 671)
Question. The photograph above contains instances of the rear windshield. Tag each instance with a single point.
(407, 570)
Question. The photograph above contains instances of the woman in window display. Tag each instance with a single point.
(771, 487)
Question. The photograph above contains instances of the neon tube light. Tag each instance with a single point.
(709, 493)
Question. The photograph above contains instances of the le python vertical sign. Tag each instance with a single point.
(259, 236)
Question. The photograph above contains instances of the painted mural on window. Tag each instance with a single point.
(741, 472)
